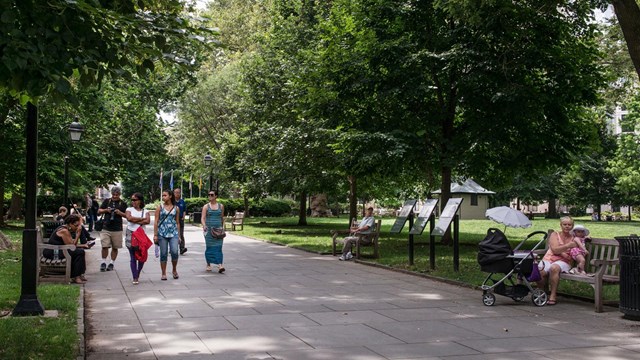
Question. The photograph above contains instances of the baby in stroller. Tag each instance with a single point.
(578, 253)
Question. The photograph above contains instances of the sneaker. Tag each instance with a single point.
(342, 258)
(349, 256)
(110, 267)
(103, 267)
(183, 250)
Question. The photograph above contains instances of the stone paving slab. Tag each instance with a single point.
(274, 302)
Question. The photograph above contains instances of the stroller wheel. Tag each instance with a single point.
(539, 297)
(488, 299)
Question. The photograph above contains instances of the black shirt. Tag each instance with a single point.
(113, 221)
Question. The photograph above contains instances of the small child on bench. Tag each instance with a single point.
(580, 233)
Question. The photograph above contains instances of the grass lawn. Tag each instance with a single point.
(35, 337)
(394, 247)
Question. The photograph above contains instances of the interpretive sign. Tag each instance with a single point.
(447, 216)
(403, 216)
(423, 217)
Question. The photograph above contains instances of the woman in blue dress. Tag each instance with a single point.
(213, 217)
(165, 232)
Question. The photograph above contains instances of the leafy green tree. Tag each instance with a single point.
(47, 46)
(51, 48)
(489, 88)
(626, 163)
(589, 180)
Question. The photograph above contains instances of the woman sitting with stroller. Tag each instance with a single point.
(558, 258)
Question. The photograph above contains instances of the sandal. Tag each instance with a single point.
(551, 302)
(221, 269)
(77, 280)
(208, 269)
(175, 275)
(164, 277)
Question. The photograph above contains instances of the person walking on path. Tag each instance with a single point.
(89, 218)
(177, 193)
(136, 217)
(165, 232)
(92, 212)
(114, 210)
(212, 218)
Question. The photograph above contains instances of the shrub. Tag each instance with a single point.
(195, 204)
(270, 208)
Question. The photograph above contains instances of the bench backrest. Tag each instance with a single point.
(603, 249)
(375, 234)
(239, 216)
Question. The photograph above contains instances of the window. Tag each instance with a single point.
(474, 199)
(626, 125)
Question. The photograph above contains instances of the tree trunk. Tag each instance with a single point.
(7, 103)
(302, 213)
(2, 177)
(246, 205)
(628, 14)
(445, 195)
(15, 210)
(553, 212)
(353, 199)
(5, 243)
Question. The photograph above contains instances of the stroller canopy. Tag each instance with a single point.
(494, 247)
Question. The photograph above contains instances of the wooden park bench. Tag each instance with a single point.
(52, 268)
(603, 262)
(236, 221)
(374, 236)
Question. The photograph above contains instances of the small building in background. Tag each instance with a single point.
(475, 199)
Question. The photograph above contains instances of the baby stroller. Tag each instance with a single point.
(519, 267)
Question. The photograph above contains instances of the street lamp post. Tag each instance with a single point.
(75, 132)
(29, 304)
(208, 161)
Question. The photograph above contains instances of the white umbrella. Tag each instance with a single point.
(508, 216)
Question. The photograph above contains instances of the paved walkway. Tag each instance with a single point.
(279, 303)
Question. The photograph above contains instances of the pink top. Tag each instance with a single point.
(551, 257)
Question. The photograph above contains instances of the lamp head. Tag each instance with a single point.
(75, 130)
(208, 159)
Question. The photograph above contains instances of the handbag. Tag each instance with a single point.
(218, 233)
(535, 272)
(99, 223)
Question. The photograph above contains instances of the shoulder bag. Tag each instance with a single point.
(217, 233)
(99, 225)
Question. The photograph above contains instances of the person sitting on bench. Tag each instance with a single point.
(361, 231)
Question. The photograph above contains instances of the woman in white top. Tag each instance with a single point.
(136, 216)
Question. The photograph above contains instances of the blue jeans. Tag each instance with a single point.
(173, 245)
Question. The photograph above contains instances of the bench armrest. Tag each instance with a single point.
(597, 262)
(57, 247)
